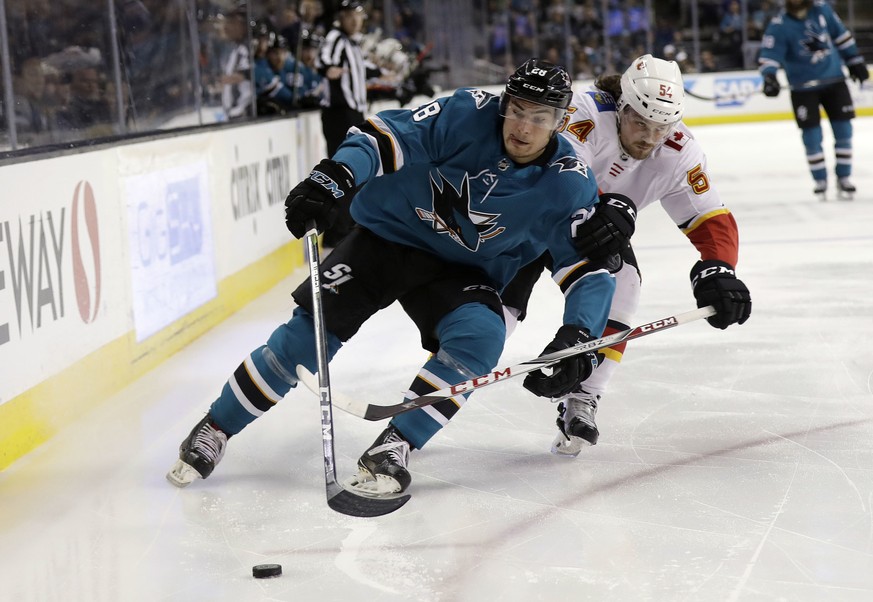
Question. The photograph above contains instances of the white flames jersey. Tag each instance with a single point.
(675, 173)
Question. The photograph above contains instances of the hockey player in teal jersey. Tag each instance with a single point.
(810, 42)
(275, 77)
(450, 200)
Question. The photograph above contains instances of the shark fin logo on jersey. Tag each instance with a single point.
(571, 164)
(816, 44)
(451, 214)
(481, 97)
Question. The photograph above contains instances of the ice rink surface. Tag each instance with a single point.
(733, 465)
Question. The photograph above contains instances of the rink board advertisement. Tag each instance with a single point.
(260, 169)
(736, 96)
(169, 230)
(124, 255)
(63, 279)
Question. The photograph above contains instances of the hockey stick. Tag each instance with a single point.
(377, 412)
(338, 498)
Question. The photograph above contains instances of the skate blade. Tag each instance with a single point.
(821, 197)
(570, 448)
(182, 474)
(845, 196)
(363, 483)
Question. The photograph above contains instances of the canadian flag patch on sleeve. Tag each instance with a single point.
(676, 141)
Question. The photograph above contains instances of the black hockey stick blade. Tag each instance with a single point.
(338, 499)
(379, 412)
(352, 504)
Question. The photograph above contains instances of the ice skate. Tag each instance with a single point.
(382, 469)
(576, 423)
(819, 190)
(199, 453)
(845, 189)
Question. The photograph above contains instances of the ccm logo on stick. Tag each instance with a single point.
(481, 381)
(656, 325)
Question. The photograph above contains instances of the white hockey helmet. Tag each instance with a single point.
(653, 88)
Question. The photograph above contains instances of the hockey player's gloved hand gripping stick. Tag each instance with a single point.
(570, 371)
(377, 412)
(716, 284)
(315, 198)
(339, 499)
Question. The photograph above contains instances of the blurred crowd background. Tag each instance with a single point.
(76, 72)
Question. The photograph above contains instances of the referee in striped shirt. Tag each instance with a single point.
(341, 61)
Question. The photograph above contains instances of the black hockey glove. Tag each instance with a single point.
(609, 229)
(715, 283)
(771, 85)
(315, 197)
(858, 69)
(569, 372)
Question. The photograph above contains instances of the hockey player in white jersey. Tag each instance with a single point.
(629, 130)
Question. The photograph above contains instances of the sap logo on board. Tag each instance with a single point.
(735, 91)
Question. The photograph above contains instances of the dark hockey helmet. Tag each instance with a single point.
(539, 82)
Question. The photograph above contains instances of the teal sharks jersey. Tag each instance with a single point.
(438, 178)
(811, 50)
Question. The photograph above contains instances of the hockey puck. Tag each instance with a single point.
(263, 571)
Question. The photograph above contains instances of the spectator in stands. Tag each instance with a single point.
(730, 35)
(759, 18)
(33, 121)
(33, 29)
(409, 27)
(273, 96)
(582, 68)
(499, 39)
(638, 25)
(554, 30)
(615, 20)
(282, 82)
(88, 113)
(310, 84)
(309, 16)
(588, 22)
(593, 50)
(708, 63)
(522, 35)
(237, 92)
(676, 52)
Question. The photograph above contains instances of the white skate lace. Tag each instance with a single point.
(208, 444)
(396, 447)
